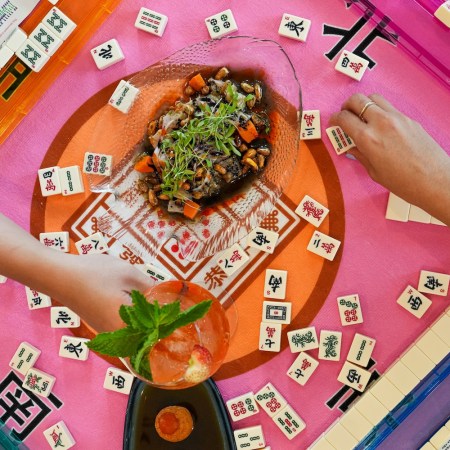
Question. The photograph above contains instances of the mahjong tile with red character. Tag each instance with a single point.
(118, 380)
(302, 368)
(249, 438)
(59, 435)
(95, 243)
(289, 422)
(340, 140)
(275, 284)
(310, 125)
(243, 406)
(63, 317)
(74, 348)
(232, 259)
(38, 382)
(354, 376)
(49, 181)
(270, 400)
(270, 337)
(351, 65)
(37, 300)
(414, 302)
(277, 312)
(303, 339)
(350, 311)
(433, 283)
(294, 27)
(58, 240)
(312, 211)
(262, 239)
(323, 245)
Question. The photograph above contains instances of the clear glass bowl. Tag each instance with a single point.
(144, 230)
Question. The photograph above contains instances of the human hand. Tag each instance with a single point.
(398, 153)
(96, 285)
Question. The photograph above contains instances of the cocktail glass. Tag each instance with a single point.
(169, 358)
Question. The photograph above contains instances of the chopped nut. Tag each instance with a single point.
(163, 197)
(249, 154)
(263, 151)
(251, 103)
(246, 87)
(261, 161)
(185, 186)
(222, 73)
(152, 198)
(228, 177)
(157, 187)
(220, 169)
(205, 90)
(197, 195)
(184, 122)
(224, 87)
(151, 129)
(258, 92)
(199, 172)
(142, 186)
(249, 162)
(189, 91)
(243, 148)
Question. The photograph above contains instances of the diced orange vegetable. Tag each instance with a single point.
(197, 82)
(190, 209)
(249, 132)
(144, 165)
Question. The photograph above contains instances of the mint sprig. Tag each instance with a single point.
(147, 323)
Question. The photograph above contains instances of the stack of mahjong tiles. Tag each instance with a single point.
(368, 422)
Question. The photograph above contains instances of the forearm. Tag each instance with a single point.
(26, 260)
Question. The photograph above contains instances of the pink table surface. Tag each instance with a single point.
(379, 258)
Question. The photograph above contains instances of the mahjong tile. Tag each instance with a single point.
(25, 357)
(340, 140)
(124, 96)
(443, 13)
(414, 302)
(32, 55)
(275, 284)
(312, 211)
(242, 406)
(323, 245)
(249, 438)
(57, 240)
(118, 380)
(330, 345)
(74, 348)
(232, 259)
(302, 368)
(95, 243)
(38, 382)
(59, 435)
(221, 24)
(361, 350)
(433, 283)
(303, 339)
(270, 400)
(71, 180)
(49, 181)
(107, 54)
(351, 65)
(289, 422)
(270, 337)
(354, 376)
(59, 23)
(155, 273)
(97, 164)
(350, 311)
(16, 39)
(45, 39)
(37, 300)
(63, 317)
(151, 21)
(277, 312)
(262, 239)
(294, 27)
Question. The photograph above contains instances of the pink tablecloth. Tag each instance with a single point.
(379, 257)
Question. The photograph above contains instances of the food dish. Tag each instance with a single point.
(120, 135)
(203, 401)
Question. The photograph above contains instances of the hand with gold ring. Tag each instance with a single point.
(397, 153)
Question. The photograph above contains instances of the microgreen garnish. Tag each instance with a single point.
(212, 126)
(147, 323)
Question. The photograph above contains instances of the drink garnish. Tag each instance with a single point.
(147, 322)
(199, 365)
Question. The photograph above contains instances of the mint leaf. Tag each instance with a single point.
(128, 315)
(168, 313)
(123, 342)
(140, 359)
(145, 311)
(185, 318)
(143, 369)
